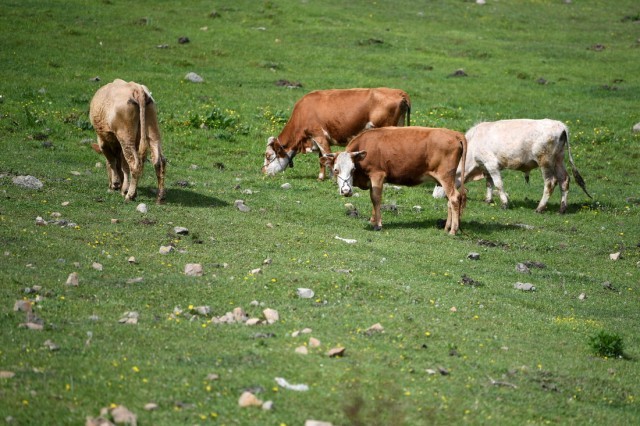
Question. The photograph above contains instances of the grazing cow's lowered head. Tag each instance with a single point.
(276, 157)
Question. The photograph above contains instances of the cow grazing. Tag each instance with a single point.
(333, 117)
(404, 156)
(524, 145)
(125, 120)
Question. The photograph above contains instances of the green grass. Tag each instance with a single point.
(512, 357)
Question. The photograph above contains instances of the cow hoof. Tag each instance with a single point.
(504, 206)
(540, 210)
(377, 228)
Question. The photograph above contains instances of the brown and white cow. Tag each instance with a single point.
(403, 156)
(521, 144)
(333, 117)
(125, 120)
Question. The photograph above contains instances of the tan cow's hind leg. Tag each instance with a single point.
(134, 163)
(159, 162)
(375, 193)
(454, 204)
(563, 180)
(550, 182)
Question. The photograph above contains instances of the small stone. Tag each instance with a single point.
(267, 261)
(179, 230)
(256, 271)
(28, 182)
(305, 330)
(305, 293)
(51, 345)
(40, 221)
(65, 203)
(247, 399)
(316, 423)
(241, 206)
(524, 286)
(615, 256)
(97, 266)
(252, 321)
(73, 279)
(336, 352)
(22, 306)
(165, 249)
(203, 310)
(453, 309)
(135, 280)
(416, 209)
(375, 328)
(132, 260)
(239, 315)
(114, 221)
(473, 256)
(313, 342)
(522, 268)
(582, 296)
(193, 78)
(130, 317)
(142, 208)
(193, 269)
(267, 405)
(285, 186)
(302, 350)
(151, 406)
(270, 315)
(183, 40)
(213, 376)
(636, 128)
(7, 374)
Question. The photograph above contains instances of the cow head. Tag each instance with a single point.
(344, 165)
(276, 158)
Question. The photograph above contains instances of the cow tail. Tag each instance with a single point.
(140, 97)
(463, 160)
(576, 174)
(406, 105)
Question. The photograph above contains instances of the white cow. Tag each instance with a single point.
(520, 144)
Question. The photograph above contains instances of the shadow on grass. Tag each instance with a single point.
(186, 198)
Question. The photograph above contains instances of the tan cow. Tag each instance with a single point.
(125, 120)
(521, 144)
(403, 156)
(333, 117)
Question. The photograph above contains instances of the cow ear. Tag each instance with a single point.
(271, 140)
(359, 155)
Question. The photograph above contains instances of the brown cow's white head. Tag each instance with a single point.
(344, 165)
(276, 158)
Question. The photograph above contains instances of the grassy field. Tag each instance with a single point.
(460, 344)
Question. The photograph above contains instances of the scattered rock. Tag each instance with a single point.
(73, 279)
(51, 345)
(179, 230)
(193, 78)
(256, 271)
(346, 240)
(615, 256)
(522, 268)
(636, 128)
(453, 309)
(317, 423)
(473, 256)
(252, 321)
(597, 47)
(285, 186)
(22, 306)
(288, 84)
(183, 40)
(582, 296)
(129, 318)
(270, 315)
(314, 343)
(135, 280)
(247, 399)
(285, 384)
(193, 269)
(458, 73)
(142, 208)
(28, 182)
(305, 293)
(7, 374)
(150, 406)
(121, 415)
(114, 221)
(375, 328)
(465, 280)
(40, 221)
(239, 315)
(481, 2)
(132, 260)
(213, 376)
(302, 350)
(524, 286)
(336, 352)
(534, 264)
(166, 249)
(241, 206)
(97, 266)
(607, 285)
(267, 405)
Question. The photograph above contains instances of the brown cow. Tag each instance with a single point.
(125, 120)
(403, 156)
(333, 117)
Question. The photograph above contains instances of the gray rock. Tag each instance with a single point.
(524, 286)
(193, 77)
(193, 269)
(28, 182)
(636, 128)
(522, 268)
(473, 256)
(181, 230)
(142, 208)
(305, 293)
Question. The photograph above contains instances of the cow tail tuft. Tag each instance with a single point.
(576, 174)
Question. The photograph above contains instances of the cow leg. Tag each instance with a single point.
(454, 203)
(550, 182)
(563, 179)
(112, 157)
(325, 148)
(489, 193)
(496, 178)
(375, 193)
(135, 164)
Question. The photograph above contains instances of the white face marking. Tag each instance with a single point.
(343, 169)
(272, 163)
